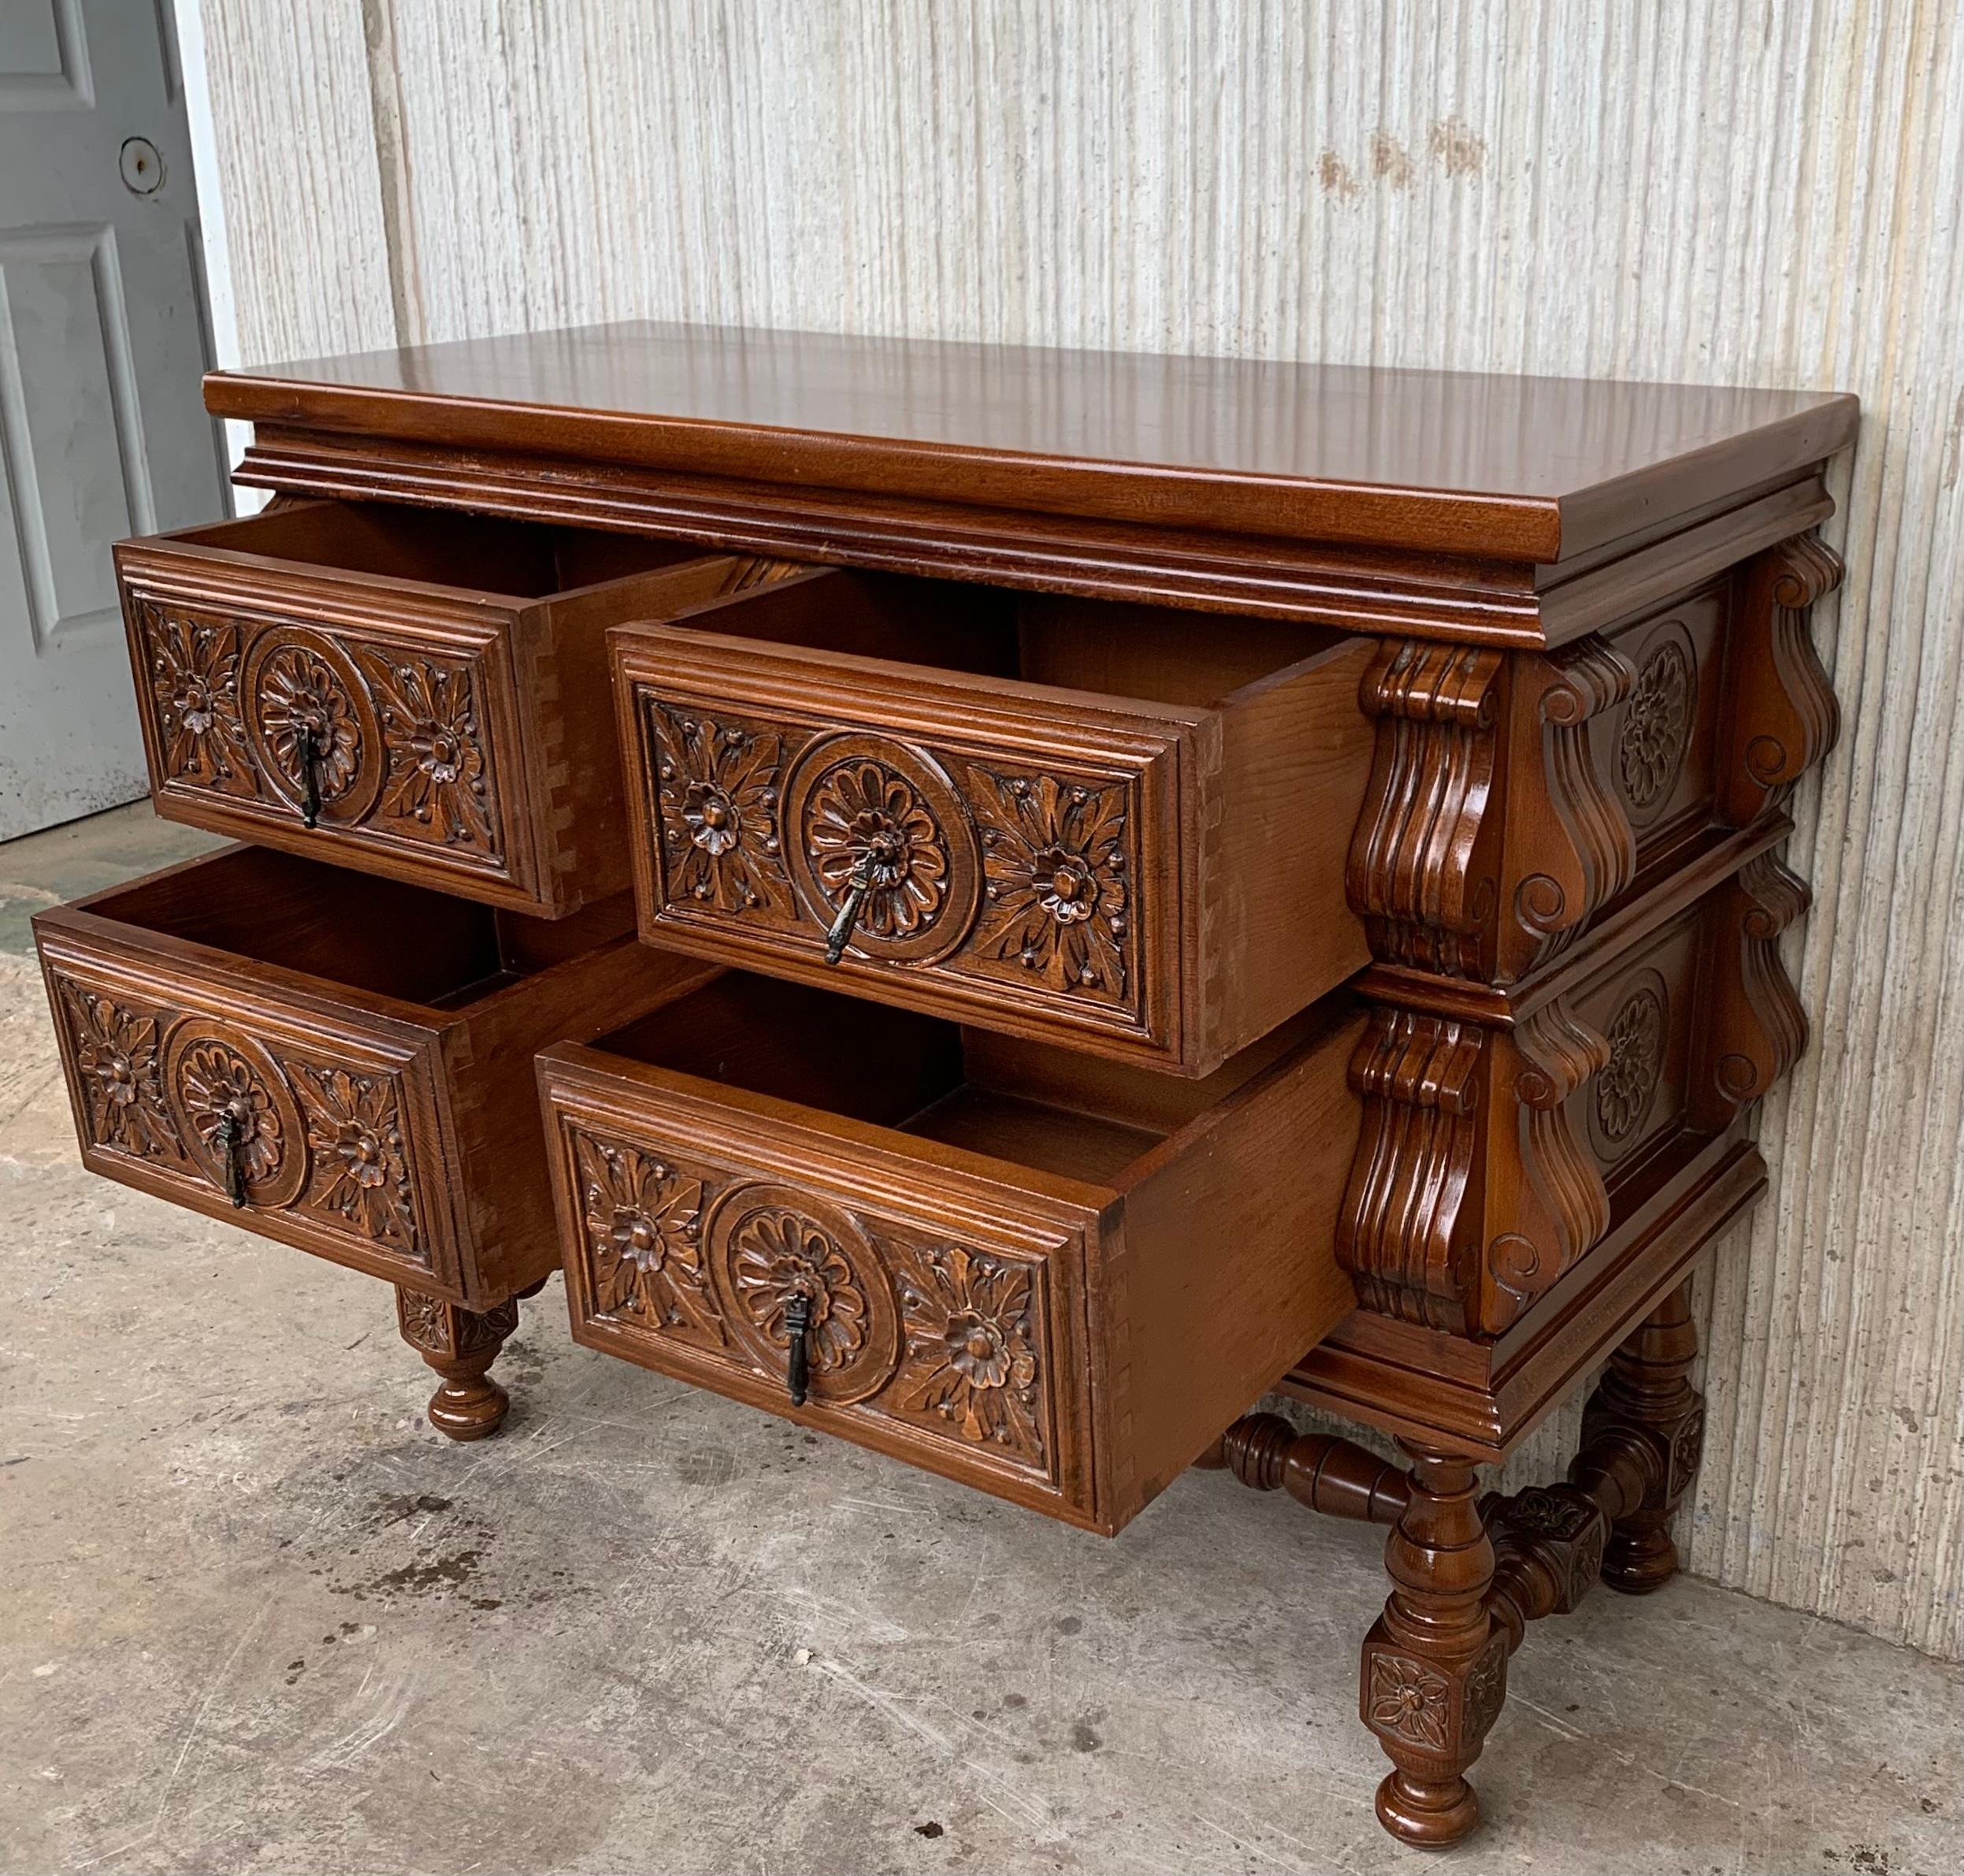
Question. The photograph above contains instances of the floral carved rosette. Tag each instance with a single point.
(194, 682)
(437, 779)
(360, 1171)
(308, 714)
(232, 1104)
(768, 1244)
(1054, 855)
(116, 1058)
(718, 797)
(1657, 722)
(1636, 1033)
(868, 808)
(970, 1365)
(643, 1220)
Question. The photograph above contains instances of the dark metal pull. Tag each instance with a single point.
(309, 781)
(797, 1324)
(228, 1136)
(840, 933)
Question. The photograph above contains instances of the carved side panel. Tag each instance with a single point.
(382, 742)
(209, 1101)
(694, 1264)
(999, 870)
(1781, 715)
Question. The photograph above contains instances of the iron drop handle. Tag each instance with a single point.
(310, 780)
(797, 1325)
(840, 933)
(228, 1136)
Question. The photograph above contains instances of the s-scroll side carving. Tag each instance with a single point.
(1398, 1229)
(1570, 847)
(1756, 1029)
(1421, 866)
(1539, 1177)
(1781, 716)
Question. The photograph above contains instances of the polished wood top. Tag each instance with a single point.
(1522, 468)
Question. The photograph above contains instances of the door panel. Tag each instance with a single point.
(103, 431)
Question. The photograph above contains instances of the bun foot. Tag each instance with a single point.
(469, 1409)
(461, 1345)
(1635, 1562)
(1426, 1816)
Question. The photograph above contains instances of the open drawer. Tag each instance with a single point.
(341, 1063)
(1120, 826)
(413, 693)
(1053, 1282)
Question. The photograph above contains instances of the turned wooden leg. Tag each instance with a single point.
(1645, 1395)
(461, 1345)
(1435, 1664)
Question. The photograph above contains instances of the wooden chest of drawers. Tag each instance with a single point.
(1150, 880)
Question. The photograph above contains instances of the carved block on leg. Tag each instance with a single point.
(461, 1345)
(1435, 1664)
(1645, 1395)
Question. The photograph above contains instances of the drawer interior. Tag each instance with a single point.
(355, 930)
(520, 559)
(1159, 654)
(1031, 1105)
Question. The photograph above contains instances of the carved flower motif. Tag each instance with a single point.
(1054, 858)
(436, 758)
(968, 1354)
(214, 1082)
(1656, 726)
(357, 1138)
(779, 1255)
(1624, 1089)
(643, 1235)
(194, 675)
(300, 697)
(1408, 1701)
(863, 811)
(116, 1053)
(719, 811)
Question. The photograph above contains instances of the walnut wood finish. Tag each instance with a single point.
(338, 1062)
(1000, 1291)
(1434, 1674)
(1077, 822)
(1494, 688)
(418, 696)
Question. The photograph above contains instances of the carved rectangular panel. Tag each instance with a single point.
(690, 1261)
(189, 1094)
(390, 739)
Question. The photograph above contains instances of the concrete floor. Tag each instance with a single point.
(258, 1616)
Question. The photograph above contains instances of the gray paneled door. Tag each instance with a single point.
(102, 432)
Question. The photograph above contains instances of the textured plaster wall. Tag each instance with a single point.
(1739, 191)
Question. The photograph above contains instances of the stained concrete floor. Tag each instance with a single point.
(258, 1616)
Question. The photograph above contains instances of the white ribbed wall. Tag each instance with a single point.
(1754, 192)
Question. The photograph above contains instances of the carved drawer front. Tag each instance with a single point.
(1121, 826)
(887, 1227)
(309, 1053)
(418, 694)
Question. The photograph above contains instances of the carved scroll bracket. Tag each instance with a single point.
(1470, 1194)
(1780, 714)
(1756, 1030)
